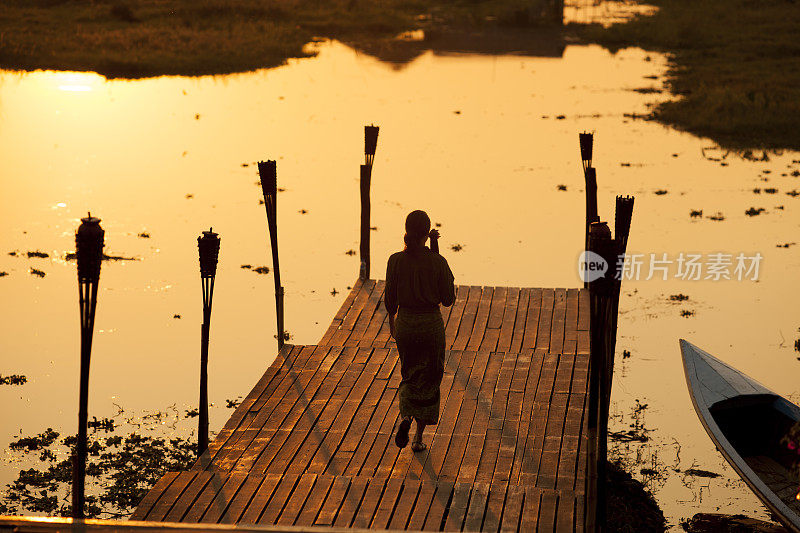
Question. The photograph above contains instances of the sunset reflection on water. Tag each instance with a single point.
(480, 142)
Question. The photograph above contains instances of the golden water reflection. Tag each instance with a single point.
(481, 142)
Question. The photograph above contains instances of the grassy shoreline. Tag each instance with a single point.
(735, 67)
(141, 38)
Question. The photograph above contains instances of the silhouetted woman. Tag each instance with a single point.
(417, 281)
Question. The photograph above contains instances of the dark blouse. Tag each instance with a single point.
(418, 281)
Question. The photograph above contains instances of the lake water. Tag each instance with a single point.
(480, 142)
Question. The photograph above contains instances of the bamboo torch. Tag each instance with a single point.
(208, 249)
(89, 249)
(267, 171)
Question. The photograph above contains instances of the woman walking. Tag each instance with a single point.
(418, 279)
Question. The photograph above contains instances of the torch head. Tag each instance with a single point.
(623, 216)
(267, 171)
(370, 139)
(89, 249)
(586, 141)
(208, 246)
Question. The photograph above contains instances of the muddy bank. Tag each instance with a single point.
(735, 67)
(141, 38)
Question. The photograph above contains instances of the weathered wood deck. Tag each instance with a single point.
(312, 444)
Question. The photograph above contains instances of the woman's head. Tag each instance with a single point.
(418, 226)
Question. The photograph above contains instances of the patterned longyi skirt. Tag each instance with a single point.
(420, 342)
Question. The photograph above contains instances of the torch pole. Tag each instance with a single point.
(89, 249)
(267, 171)
(370, 145)
(208, 250)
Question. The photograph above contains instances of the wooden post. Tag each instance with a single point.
(267, 171)
(366, 175)
(602, 294)
(370, 145)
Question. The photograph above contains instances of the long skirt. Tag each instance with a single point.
(420, 341)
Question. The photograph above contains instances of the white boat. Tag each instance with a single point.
(747, 422)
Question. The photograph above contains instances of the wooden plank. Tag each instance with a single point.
(260, 500)
(533, 447)
(440, 501)
(279, 498)
(440, 448)
(477, 507)
(532, 319)
(494, 507)
(558, 324)
(456, 313)
(458, 507)
(241, 500)
(468, 319)
(548, 510)
(451, 467)
(351, 502)
(530, 510)
(424, 498)
(188, 497)
(170, 496)
(528, 401)
(327, 514)
(571, 327)
(381, 412)
(223, 498)
(405, 504)
(522, 321)
(509, 318)
(313, 504)
(199, 506)
(365, 318)
(478, 431)
(365, 411)
(481, 319)
(512, 512)
(565, 519)
(495, 321)
(297, 500)
(245, 415)
(369, 504)
(153, 495)
(378, 318)
(246, 450)
(545, 319)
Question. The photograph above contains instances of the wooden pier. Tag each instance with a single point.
(312, 444)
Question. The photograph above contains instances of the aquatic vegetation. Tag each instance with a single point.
(143, 235)
(3, 274)
(678, 297)
(696, 213)
(754, 211)
(121, 470)
(38, 254)
(686, 313)
(562, 187)
(261, 270)
(660, 192)
(38, 273)
(717, 217)
(457, 247)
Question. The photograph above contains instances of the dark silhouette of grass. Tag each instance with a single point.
(139, 38)
(735, 67)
